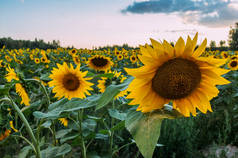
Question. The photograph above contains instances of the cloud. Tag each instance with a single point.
(211, 13)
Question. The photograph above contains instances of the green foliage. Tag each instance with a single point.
(233, 37)
(10, 43)
(145, 129)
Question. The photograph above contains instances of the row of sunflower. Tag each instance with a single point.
(62, 86)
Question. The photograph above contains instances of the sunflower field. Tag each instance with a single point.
(159, 100)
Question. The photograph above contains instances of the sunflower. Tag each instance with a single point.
(126, 56)
(37, 60)
(44, 59)
(76, 60)
(176, 74)
(8, 58)
(19, 88)
(117, 79)
(100, 63)
(72, 52)
(84, 60)
(224, 54)
(133, 59)
(69, 82)
(119, 57)
(63, 121)
(234, 57)
(5, 134)
(117, 52)
(233, 64)
(2, 64)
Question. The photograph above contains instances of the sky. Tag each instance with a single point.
(94, 23)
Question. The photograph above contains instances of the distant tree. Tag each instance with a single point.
(212, 45)
(233, 37)
(222, 43)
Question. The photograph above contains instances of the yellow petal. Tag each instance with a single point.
(179, 47)
(200, 49)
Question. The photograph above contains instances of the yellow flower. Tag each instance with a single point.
(126, 56)
(133, 59)
(11, 75)
(2, 64)
(63, 121)
(11, 125)
(76, 60)
(100, 63)
(117, 79)
(69, 82)
(233, 64)
(72, 52)
(119, 57)
(84, 60)
(8, 58)
(224, 54)
(176, 74)
(19, 88)
(37, 60)
(44, 59)
(22, 93)
(5, 134)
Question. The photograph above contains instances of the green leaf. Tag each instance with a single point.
(45, 77)
(46, 124)
(55, 151)
(116, 114)
(119, 126)
(3, 90)
(62, 133)
(64, 139)
(24, 152)
(110, 92)
(145, 129)
(63, 105)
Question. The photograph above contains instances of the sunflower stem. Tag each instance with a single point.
(54, 133)
(112, 132)
(26, 141)
(83, 148)
(43, 87)
(28, 127)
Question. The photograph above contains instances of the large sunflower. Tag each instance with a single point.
(69, 82)
(176, 74)
(100, 63)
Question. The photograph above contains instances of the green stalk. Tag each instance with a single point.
(28, 128)
(83, 148)
(54, 133)
(43, 87)
(112, 132)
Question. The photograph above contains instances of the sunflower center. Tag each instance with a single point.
(176, 78)
(99, 62)
(71, 82)
(233, 64)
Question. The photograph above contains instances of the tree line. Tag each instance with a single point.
(10, 43)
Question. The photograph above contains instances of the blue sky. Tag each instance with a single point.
(88, 23)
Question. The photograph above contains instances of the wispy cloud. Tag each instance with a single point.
(211, 13)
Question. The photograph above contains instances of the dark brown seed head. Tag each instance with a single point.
(176, 78)
(71, 82)
(99, 61)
